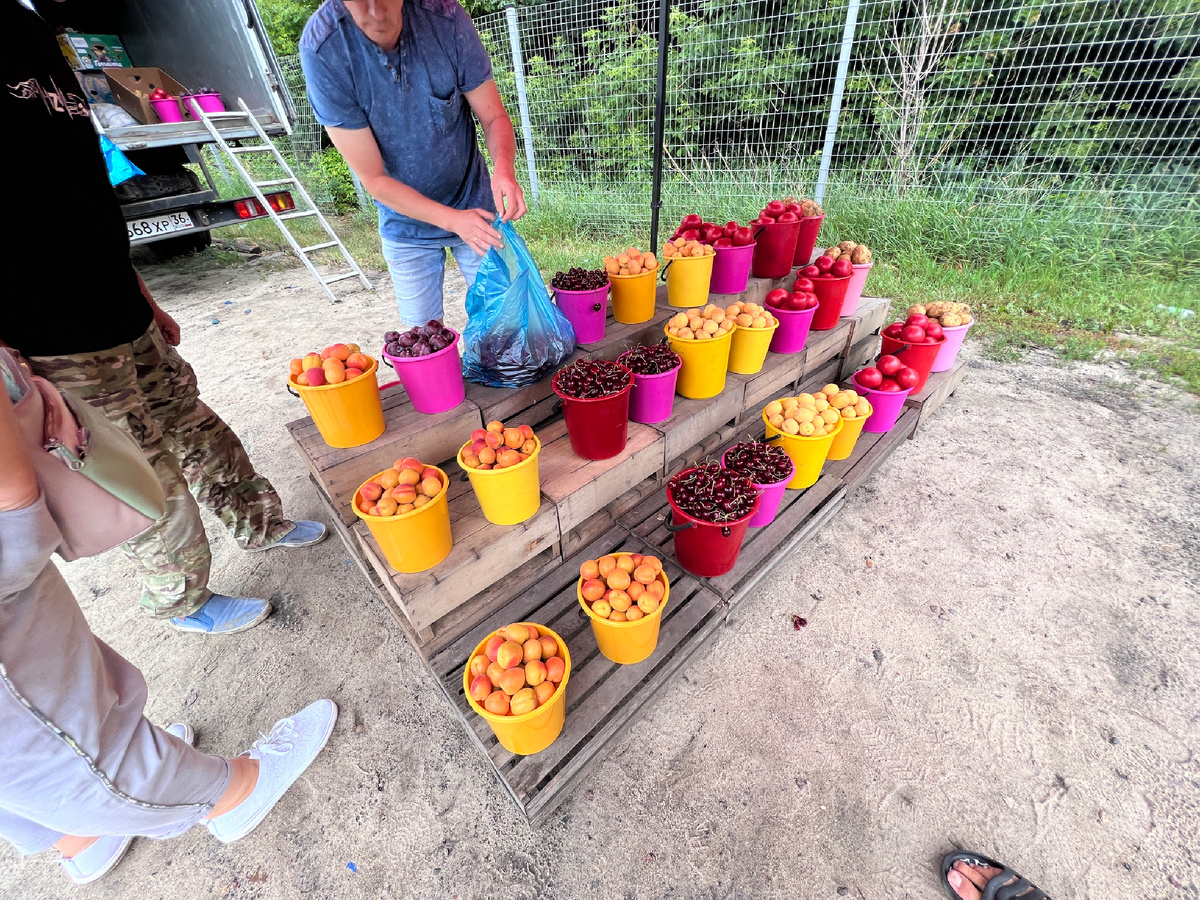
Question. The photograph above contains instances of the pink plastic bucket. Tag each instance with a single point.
(946, 357)
(731, 269)
(769, 498)
(653, 396)
(858, 280)
(792, 333)
(586, 310)
(810, 226)
(434, 383)
(210, 103)
(167, 110)
(886, 407)
(774, 247)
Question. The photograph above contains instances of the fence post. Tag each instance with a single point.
(514, 39)
(660, 119)
(835, 105)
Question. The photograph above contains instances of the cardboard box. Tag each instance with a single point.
(94, 51)
(95, 86)
(131, 89)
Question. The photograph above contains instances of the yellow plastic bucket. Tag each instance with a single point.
(507, 496)
(417, 540)
(704, 364)
(688, 278)
(808, 453)
(349, 414)
(534, 731)
(847, 437)
(626, 642)
(633, 297)
(748, 351)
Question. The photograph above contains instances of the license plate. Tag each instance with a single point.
(140, 229)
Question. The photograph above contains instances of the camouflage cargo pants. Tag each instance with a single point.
(150, 391)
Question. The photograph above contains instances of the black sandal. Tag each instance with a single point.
(997, 887)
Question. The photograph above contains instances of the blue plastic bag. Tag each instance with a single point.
(514, 335)
(119, 167)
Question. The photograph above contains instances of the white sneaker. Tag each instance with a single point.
(282, 756)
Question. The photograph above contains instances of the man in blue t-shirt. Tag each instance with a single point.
(395, 83)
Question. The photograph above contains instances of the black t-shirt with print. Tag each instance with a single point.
(70, 285)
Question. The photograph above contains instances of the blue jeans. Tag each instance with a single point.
(417, 273)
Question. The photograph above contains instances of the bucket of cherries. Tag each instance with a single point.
(595, 404)
(769, 469)
(711, 508)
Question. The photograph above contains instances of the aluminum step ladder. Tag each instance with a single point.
(243, 117)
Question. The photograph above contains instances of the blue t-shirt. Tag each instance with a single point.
(412, 99)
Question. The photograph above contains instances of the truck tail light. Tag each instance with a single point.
(249, 209)
(281, 201)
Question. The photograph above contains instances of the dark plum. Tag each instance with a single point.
(419, 341)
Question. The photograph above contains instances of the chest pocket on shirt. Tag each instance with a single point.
(445, 113)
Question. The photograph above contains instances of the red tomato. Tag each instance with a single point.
(823, 263)
(787, 218)
(841, 267)
(743, 237)
(912, 334)
(722, 242)
(794, 208)
(870, 377)
(797, 302)
(776, 297)
(893, 330)
(810, 272)
(917, 319)
(907, 378)
(712, 233)
(692, 234)
(889, 365)
(889, 385)
(775, 209)
(803, 284)
(692, 221)
(730, 228)
(934, 330)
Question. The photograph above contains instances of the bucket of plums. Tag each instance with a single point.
(794, 310)
(769, 469)
(711, 507)
(831, 280)
(427, 361)
(916, 342)
(655, 368)
(595, 405)
(582, 295)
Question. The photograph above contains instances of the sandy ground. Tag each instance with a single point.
(1000, 654)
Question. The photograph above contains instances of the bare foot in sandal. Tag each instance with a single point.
(971, 876)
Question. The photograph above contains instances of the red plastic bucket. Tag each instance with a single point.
(886, 407)
(597, 428)
(434, 383)
(831, 294)
(955, 335)
(586, 311)
(792, 333)
(707, 549)
(769, 498)
(919, 357)
(807, 242)
(731, 269)
(653, 396)
(774, 248)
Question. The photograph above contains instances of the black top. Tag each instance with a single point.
(71, 287)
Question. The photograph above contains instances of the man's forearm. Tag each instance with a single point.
(501, 143)
(145, 291)
(407, 201)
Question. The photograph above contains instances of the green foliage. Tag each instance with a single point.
(327, 174)
(284, 21)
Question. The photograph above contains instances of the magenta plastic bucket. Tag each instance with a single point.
(210, 103)
(831, 294)
(769, 498)
(774, 247)
(810, 226)
(597, 428)
(731, 269)
(886, 407)
(948, 354)
(652, 398)
(792, 333)
(707, 549)
(919, 357)
(434, 383)
(858, 280)
(167, 110)
(586, 311)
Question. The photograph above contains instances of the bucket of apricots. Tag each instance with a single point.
(632, 274)
(624, 595)
(755, 329)
(805, 426)
(854, 409)
(340, 392)
(702, 338)
(687, 267)
(406, 509)
(502, 464)
(516, 680)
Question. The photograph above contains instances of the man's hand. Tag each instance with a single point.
(168, 326)
(505, 188)
(475, 227)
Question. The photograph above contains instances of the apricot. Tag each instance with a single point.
(405, 508)
(626, 564)
(295, 367)
(478, 434)
(617, 616)
(403, 493)
(480, 688)
(589, 570)
(544, 692)
(528, 447)
(315, 376)
(311, 361)
(359, 361)
(387, 506)
(371, 491)
(479, 665)
(600, 608)
(645, 574)
(513, 439)
(618, 579)
(497, 703)
(487, 457)
(635, 590)
(656, 589)
(556, 668)
(512, 680)
(495, 427)
(420, 501)
(366, 506)
(495, 440)
(302, 379)
(492, 647)
(593, 589)
(494, 671)
(549, 646)
(526, 431)
(533, 650)
(470, 460)
(647, 603)
(389, 478)
(619, 601)
(535, 672)
(518, 632)
(339, 352)
(431, 486)
(510, 654)
(506, 458)
(523, 701)
(633, 614)
(606, 565)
